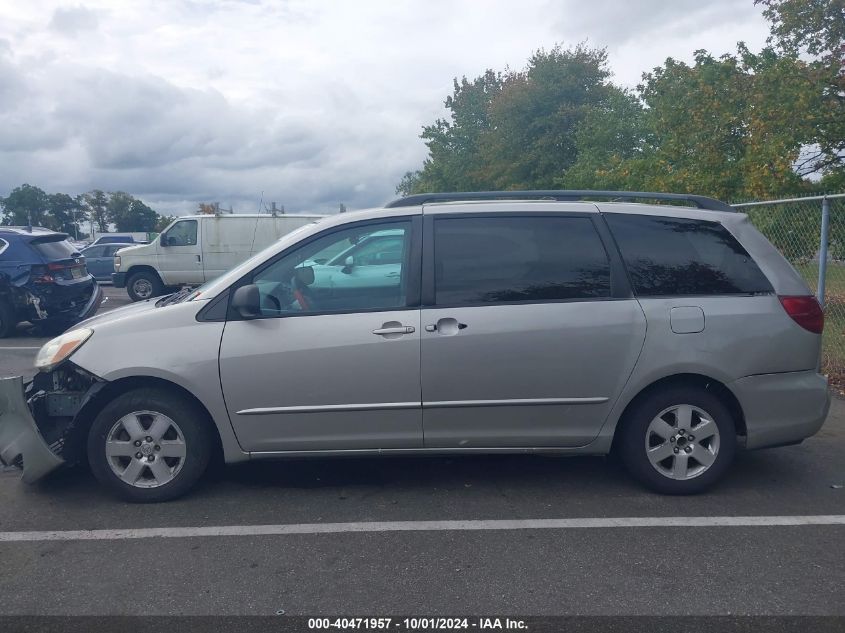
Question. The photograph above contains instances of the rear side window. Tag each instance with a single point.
(512, 259)
(678, 256)
(54, 249)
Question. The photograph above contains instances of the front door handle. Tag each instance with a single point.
(392, 329)
(199, 258)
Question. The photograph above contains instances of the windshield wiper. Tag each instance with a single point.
(176, 297)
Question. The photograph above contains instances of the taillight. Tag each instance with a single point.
(41, 276)
(805, 311)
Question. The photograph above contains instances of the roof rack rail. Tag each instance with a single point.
(702, 202)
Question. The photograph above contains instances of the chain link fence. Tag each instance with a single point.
(794, 226)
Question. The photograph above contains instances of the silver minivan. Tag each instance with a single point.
(501, 322)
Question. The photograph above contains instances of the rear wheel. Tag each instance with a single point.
(678, 441)
(7, 319)
(149, 445)
(144, 285)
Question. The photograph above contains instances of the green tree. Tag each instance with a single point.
(454, 162)
(24, 205)
(513, 130)
(611, 141)
(118, 208)
(129, 214)
(162, 222)
(817, 28)
(733, 127)
(65, 212)
(95, 203)
(531, 140)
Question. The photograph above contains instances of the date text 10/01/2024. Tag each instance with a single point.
(417, 623)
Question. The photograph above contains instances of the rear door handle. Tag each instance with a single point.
(447, 326)
(399, 329)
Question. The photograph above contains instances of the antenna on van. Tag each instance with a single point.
(255, 228)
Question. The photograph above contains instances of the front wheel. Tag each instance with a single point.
(149, 445)
(678, 441)
(144, 285)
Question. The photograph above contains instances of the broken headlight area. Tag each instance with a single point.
(42, 424)
(55, 399)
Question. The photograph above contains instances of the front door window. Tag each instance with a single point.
(353, 270)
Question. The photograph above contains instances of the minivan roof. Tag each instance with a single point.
(558, 195)
(200, 216)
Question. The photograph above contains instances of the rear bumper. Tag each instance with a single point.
(782, 408)
(21, 443)
(66, 306)
(118, 280)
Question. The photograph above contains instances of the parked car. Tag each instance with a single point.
(197, 248)
(100, 260)
(121, 238)
(522, 322)
(43, 280)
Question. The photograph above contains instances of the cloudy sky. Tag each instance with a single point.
(312, 102)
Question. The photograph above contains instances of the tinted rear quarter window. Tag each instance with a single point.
(679, 256)
(516, 259)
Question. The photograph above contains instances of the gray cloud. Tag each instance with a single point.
(188, 101)
(72, 20)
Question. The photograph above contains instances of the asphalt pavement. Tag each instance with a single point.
(605, 567)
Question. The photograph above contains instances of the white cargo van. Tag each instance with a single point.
(196, 248)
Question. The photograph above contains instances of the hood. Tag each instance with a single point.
(131, 248)
(119, 313)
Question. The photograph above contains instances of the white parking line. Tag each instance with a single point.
(18, 347)
(422, 526)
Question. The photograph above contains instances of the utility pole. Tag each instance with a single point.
(342, 208)
(276, 210)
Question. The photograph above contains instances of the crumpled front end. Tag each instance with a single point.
(40, 423)
(21, 442)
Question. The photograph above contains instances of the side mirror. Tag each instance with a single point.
(247, 301)
(348, 265)
(163, 240)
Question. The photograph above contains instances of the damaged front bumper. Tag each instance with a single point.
(21, 442)
(41, 423)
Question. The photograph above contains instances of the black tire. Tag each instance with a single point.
(191, 422)
(8, 322)
(633, 435)
(144, 285)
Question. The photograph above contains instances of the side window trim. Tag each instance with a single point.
(414, 260)
(620, 287)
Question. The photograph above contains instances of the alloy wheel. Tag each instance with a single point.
(682, 442)
(145, 449)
